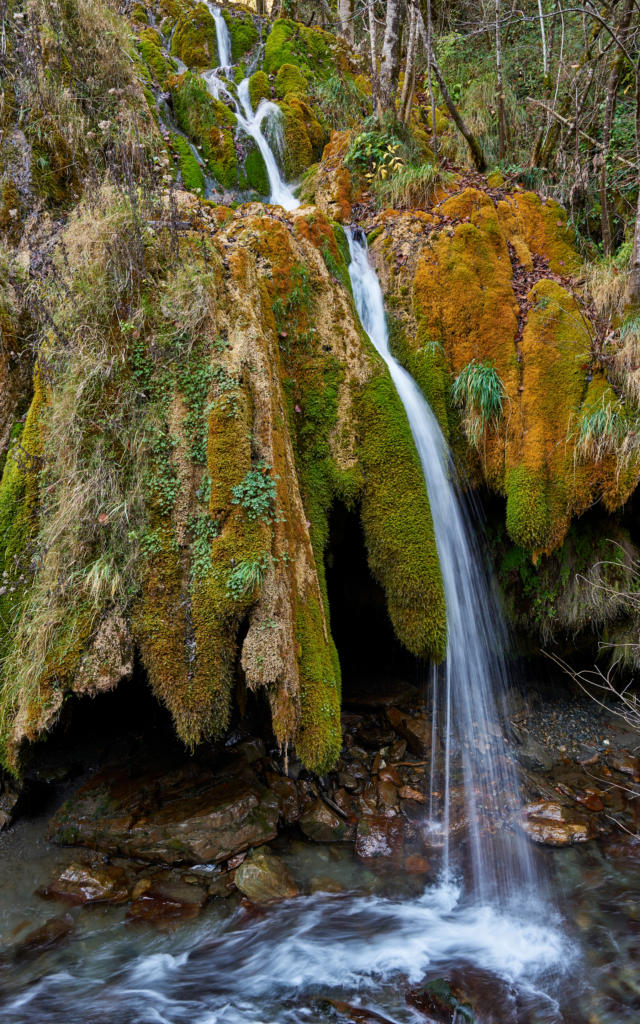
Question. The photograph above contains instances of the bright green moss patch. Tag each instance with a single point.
(397, 522)
(256, 171)
(190, 170)
(259, 89)
(150, 46)
(304, 137)
(290, 80)
(426, 365)
(320, 737)
(194, 40)
(243, 32)
(310, 49)
(209, 123)
(527, 509)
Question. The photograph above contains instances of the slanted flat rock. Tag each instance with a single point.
(415, 730)
(379, 836)
(83, 883)
(193, 813)
(264, 878)
(551, 824)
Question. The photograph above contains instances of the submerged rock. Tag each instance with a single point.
(551, 824)
(165, 900)
(379, 836)
(49, 934)
(194, 813)
(264, 878)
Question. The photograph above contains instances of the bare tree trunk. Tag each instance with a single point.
(409, 84)
(607, 124)
(475, 148)
(500, 89)
(390, 59)
(374, 55)
(345, 15)
(545, 55)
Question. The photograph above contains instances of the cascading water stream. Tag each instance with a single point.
(473, 676)
(250, 122)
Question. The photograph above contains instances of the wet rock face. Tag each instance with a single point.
(194, 814)
(551, 824)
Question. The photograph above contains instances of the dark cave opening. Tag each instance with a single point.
(372, 659)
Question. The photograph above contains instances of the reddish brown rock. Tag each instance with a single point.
(286, 794)
(324, 825)
(95, 883)
(416, 731)
(408, 793)
(417, 865)
(49, 934)
(379, 836)
(551, 824)
(390, 774)
(625, 763)
(196, 812)
(166, 900)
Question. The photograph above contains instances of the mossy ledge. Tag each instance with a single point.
(253, 402)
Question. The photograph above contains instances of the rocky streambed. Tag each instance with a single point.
(327, 892)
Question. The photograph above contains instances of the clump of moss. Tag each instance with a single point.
(256, 171)
(194, 40)
(242, 31)
(303, 137)
(290, 80)
(190, 170)
(209, 123)
(309, 49)
(150, 46)
(259, 88)
(397, 522)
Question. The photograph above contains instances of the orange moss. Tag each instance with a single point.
(542, 225)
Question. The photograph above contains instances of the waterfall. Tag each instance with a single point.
(222, 36)
(471, 682)
(250, 122)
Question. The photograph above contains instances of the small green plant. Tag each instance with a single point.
(203, 532)
(246, 576)
(340, 101)
(257, 493)
(374, 152)
(479, 393)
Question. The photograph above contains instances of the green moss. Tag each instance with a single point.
(259, 88)
(256, 171)
(303, 136)
(190, 170)
(209, 123)
(310, 49)
(242, 31)
(528, 518)
(426, 364)
(320, 738)
(290, 80)
(139, 14)
(194, 40)
(149, 44)
(397, 521)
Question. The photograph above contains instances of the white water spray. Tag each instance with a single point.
(250, 122)
(473, 676)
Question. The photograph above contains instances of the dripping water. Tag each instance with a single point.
(468, 686)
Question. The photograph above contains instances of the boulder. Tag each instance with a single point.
(194, 813)
(551, 824)
(94, 883)
(165, 900)
(263, 878)
(286, 794)
(323, 825)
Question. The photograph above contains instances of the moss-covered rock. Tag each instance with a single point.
(308, 48)
(209, 123)
(303, 137)
(242, 30)
(194, 40)
(290, 80)
(150, 46)
(259, 89)
(190, 171)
